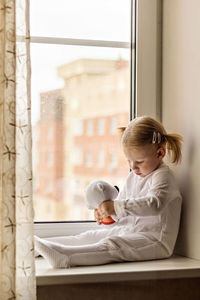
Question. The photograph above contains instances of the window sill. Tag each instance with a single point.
(174, 267)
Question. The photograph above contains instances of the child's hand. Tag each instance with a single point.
(106, 208)
(97, 216)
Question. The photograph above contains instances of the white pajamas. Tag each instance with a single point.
(148, 211)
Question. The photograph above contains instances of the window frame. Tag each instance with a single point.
(148, 67)
(145, 89)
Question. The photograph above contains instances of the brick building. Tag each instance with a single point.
(78, 139)
(49, 167)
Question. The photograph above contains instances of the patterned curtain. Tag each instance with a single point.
(17, 274)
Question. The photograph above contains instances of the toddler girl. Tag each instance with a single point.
(148, 207)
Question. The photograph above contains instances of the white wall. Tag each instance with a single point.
(181, 108)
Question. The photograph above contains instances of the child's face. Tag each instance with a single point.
(144, 160)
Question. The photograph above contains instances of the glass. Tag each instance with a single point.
(73, 87)
(81, 19)
(80, 95)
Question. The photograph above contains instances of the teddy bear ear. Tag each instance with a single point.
(100, 186)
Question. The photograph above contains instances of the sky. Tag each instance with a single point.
(82, 19)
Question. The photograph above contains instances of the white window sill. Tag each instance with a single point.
(174, 267)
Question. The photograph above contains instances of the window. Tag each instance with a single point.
(101, 159)
(77, 127)
(113, 125)
(78, 40)
(113, 161)
(78, 157)
(101, 127)
(81, 80)
(88, 160)
(89, 127)
(77, 71)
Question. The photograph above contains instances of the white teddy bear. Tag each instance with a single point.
(99, 191)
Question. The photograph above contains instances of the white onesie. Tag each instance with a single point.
(148, 212)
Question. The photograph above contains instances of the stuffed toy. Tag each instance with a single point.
(99, 191)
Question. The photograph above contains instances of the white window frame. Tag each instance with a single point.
(148, 73)
(145, 85)
(101, 124)
(89, 127)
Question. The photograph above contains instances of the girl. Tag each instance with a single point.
(148, 208)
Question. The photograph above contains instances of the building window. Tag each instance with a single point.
(88, 160)
(78, 157)
(113, 125)
(101, 126)
(101, 159)
(113, 161)
(77, 127)
(89, 127)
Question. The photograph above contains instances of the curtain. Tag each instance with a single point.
(17, 274)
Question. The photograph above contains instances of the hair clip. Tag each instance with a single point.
(154, 138)
(159, 137)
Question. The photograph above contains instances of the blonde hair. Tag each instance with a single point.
(145, 130)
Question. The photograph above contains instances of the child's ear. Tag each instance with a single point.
(161, 152)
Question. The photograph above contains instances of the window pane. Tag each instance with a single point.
(80, 95)
(83, 19)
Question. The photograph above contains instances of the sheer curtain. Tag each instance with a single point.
(17, 274)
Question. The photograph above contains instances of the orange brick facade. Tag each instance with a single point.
(109, 143)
